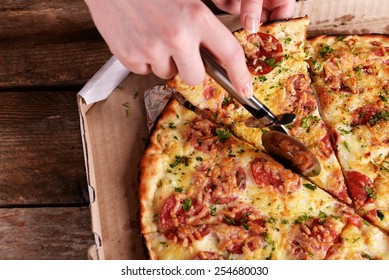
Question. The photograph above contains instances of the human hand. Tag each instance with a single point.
(164, 37)
(252, 12)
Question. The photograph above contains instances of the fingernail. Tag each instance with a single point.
(251, 24)
(248, 90)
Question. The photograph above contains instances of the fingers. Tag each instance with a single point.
(250, 14)
(255, 11)
(164, 67)
(227, 50)
(190, 65)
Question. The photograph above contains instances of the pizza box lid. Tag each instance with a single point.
(114, 125)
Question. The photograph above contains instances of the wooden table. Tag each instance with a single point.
(48, 50)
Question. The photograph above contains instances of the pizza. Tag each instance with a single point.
(209, 190)
(351, 78)
(282, 83)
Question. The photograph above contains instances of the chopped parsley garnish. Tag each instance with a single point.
(176, 162)
(380, 215)
(212, 210)
(340, 38)
(370, 192)
(271, 61)
(226, 100)
(229, 220)
(310, 186)
(383, 115)
(223, 134)
(325, 49)
(267, 238)
(308, 121)
(322, 215)
(301, 219)
(346, 145)
(180, 159)
(179, 189)
(287, 40)
(384, 98)
(186, 204)
(317, 66)
(199, 158)
(261, 78)
(172, 125)
(366, 256)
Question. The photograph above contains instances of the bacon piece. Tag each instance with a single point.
(299, 93)
(174, 214)
(227, 180)
(325, 147)
(364, 115)
(312, 239)
(186, 235)
(201, 135)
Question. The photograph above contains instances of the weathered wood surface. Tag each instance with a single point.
(45, 233)
(48, 51)
(41, 156)
(48, 43)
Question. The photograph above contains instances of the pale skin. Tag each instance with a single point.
(164, 36)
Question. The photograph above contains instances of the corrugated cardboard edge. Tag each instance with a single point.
(96, 251)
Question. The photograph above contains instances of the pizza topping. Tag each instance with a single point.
(186, 235)
(368, 114)
(269, 173)
(312, 238)
(209, 92)
(299, 93)
(325, 147)
(237, 240)
(177, 212)
(226, 181)
(360, 187)
(200, 135)
(263, 53)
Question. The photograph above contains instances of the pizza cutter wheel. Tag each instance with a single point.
(286, 149)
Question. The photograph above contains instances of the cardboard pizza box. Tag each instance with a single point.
(114, 125)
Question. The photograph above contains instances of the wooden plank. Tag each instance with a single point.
(33, 20)
(24, 65)
(48, 43)
(41, 154)
(45, 234)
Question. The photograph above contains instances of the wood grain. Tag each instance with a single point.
(45, 233)
(41, 154)
(48, 43)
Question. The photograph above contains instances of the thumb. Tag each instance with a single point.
(250, 14)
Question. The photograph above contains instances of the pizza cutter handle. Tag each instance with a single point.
(252, 104)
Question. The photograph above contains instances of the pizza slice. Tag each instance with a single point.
(351, 79)
(205, 194)
(276, 59)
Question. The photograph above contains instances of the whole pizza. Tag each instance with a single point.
(209, 190)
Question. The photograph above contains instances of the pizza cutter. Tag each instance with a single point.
(286, 149)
